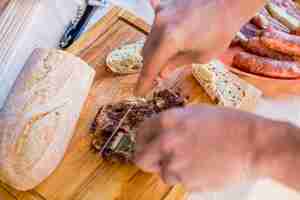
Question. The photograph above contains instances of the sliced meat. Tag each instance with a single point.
(255, 46)
(282, 42)
(266, 66)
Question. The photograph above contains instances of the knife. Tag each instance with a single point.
(76, 27)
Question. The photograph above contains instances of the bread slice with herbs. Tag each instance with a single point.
(126, 59)
(225, 88)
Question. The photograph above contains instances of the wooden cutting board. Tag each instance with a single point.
(83, 175)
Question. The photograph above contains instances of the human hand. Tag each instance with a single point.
(193, 31)
(203, 148)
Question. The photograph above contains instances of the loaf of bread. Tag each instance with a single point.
(40, 115)
(126, 59)
(26, 25)
(224, 87)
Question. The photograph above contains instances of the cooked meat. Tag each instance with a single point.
(282, 42)
(115, 125)
(250, 30)
(266, 66)
(255, 46)
(274, 23)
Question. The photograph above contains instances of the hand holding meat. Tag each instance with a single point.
(186, 146)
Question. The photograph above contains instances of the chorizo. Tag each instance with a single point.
(266, 66)
(274, 23)
(282, 42)
(255, 46)
(260, 21)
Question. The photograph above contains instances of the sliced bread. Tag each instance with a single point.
(126, 59)
(224, 87)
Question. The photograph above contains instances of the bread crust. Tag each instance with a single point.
(224, 87)
(40, 115)
(126, 59)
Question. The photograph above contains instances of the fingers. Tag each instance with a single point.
(157, 51)
(169, 177)
(151, 154)
(180, 60)
(186, 59)
(174, 162)
(154, 4)
(163, 155)
(147, 153)
(148, 159)
(149, 73)
(147, 132)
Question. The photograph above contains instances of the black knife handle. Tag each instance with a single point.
(74, 30)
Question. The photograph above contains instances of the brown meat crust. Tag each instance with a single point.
(266, 66)
(118, 123)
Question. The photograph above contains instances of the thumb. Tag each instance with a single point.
(154, 4)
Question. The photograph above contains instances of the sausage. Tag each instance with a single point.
(250, 30)
(260, 21)
(274, 23)
(296, 31)
(281, 14)
(255, 46)
(290, 7)
(282, 42)
(266, 66)
(238, 39)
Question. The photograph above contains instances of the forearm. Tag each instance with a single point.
(278, 152)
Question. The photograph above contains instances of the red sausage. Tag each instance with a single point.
(274, 23)
(255, 46)
(260, 21)
(282, 42)
(266, 66)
